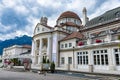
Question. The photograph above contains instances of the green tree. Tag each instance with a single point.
(52, 67)
(48, 61)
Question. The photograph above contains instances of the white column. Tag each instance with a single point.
(90, 60)
(40, 51)
(88, 41)
(111, 59)
(33, 52)
(49, 48)
(108, 37)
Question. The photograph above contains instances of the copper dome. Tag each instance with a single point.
(69, 14)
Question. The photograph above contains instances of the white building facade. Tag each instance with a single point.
(15, 51)
(91, 46)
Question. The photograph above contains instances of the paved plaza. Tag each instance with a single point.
(22, 75)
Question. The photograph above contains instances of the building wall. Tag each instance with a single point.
(65, 55)
(13, 51)
(101, 65)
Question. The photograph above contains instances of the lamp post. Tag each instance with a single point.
(73, 57)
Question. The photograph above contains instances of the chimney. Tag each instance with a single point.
(85, 18)
(43, 20)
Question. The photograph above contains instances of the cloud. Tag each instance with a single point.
(4, 29)
(19, 17)
(104, 7)
(50, 3)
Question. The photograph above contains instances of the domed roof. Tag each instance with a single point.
(69, 14)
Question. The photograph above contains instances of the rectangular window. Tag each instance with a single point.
(62, 60)
(105, 51)
(86, 59)
(86, 52)
(117, 59)
(97, 51)
(70, 44)
(95, 59)
(69, 60)
(101, 51)
(102, 59)
(78, 57)
(98, 59)
(62, 46)
(115, 50)
(82, 58)
(106, 59)
(83, 52)
(65, 45)
(80, 53)
(94, 52)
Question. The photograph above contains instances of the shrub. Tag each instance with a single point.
(48, 61)
(52, 67)
(44, 59)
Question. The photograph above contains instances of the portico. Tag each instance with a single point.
(42, 48)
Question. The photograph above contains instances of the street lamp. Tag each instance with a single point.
(73, 56)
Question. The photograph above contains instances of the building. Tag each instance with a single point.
(16, 51)
(87, 46)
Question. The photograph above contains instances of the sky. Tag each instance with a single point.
(19, 17)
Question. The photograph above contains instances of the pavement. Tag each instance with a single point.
(21, 74)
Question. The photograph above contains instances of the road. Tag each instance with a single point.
(11, 75)
(21, 75)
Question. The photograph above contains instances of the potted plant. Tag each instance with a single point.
(52, 67)
(46, 64)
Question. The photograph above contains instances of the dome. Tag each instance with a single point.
(69, 14)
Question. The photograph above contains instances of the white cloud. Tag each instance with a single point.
(13, 34)
(33, 22)
(108, 5)
(21, 9)
(4, 28)
(33, 8)
(50, 3)
(9, 3)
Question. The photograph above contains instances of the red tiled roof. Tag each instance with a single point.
(69, 14)
(74, 35)
(97, 33)
(71, 24)
(47, 26)
(26, 46)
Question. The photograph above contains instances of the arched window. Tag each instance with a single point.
(38, 29)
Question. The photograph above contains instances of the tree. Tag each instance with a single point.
(52, 67)
(44, 59)
(48, 61)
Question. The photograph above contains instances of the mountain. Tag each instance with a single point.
(24, 40)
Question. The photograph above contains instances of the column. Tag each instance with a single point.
(33, 52)
(40, 51)
(111, 59)
(108, 37)
(90, 60)
(49, 48)
(88, 41)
